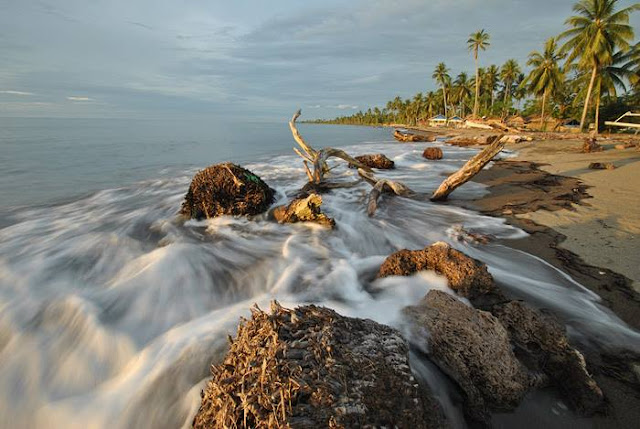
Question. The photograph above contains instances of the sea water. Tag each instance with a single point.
(112, 309)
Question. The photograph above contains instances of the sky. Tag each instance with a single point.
(248, 59)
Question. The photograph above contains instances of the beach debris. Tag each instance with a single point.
(479, 140)
(477, 125)
(433, 153)
(602, 166)
(591, 145)
(543, 346)
(318, 158)
(226, 189)
(407, 137)
(376, 160)
(458, 233)
(470, 169)
(382, 186)
(512, 139)
(468, 277)
(473, 348)
(311, 367)
(303, 210)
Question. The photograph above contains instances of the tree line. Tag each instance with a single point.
(591, 66)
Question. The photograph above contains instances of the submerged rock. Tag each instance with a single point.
(376, 160)
(226, 189)
(433, 153)
(543, 346)
(473, 348)
(305, 209)
(311, 367)
(467, 276)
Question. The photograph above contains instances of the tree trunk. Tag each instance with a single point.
(598, 94)
(444, 95)
(586, 101)
(475, 104)
(544, 102)
(470, 169)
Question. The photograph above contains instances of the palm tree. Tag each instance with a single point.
(509, 73)
(491, 79)
(462, 90)
(430, 102)
(477, 41)
(594, 35)
(441, 75)
(546, 74)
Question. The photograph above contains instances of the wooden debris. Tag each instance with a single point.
(474, 140)
(514, 138)
(470, 169)
(406, 137)
(303, 210)
(381, 186)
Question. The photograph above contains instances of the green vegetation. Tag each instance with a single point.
(601, 71)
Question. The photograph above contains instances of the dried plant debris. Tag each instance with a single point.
(311, 367)
(226, 189)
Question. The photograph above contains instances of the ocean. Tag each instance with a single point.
(112, 308)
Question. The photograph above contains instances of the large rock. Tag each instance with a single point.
(467, 276)
(226, 189)
(376, 160)
(432, 153)
(473, 348)
(311, 367)
(543, 346)
(304, 209)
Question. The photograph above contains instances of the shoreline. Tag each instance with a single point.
(526, 194)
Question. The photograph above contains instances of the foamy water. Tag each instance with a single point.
(112, 310)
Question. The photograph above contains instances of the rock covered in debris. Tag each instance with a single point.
(376, 160)
(544, 347)
(467, 276)
(226, 189)
(304, 209)
(473, 348)
(311, 367)
(432, 153)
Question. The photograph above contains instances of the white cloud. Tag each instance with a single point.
(9, 92)
(345, 106)
(73, 98)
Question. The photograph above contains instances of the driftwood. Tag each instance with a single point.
(303, 210)
(405, 137)
(318, 158)
(470, 169)
(381, 186)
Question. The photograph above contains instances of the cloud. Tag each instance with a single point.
(81, 99)
(9, 92)
(344, 106)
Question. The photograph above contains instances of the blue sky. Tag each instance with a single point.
(248, 59)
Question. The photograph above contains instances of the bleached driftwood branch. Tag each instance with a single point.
(470, 169)
(381, 186)
(318, 158)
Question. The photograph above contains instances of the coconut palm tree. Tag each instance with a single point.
(491, 80)
(462, 89)
(546, 74)
(441, 75)
(430, 102)
(595, 33)
(509, 73)
(478, 41)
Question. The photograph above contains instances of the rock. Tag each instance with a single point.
(473, 140)
(432, 153)
(377, 160)
(624, 146)
(406, 137)
(226, 189)
(311, 367)
(473, 348)
(543, 346)
(602, 166)
(591, 145)
(467, 276)
(306, 209)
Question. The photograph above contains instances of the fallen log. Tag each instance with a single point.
(381, 186)
(473, 140)
(470, 169)
(318, 158)
(405, 137)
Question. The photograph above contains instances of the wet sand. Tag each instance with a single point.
(587, 223)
